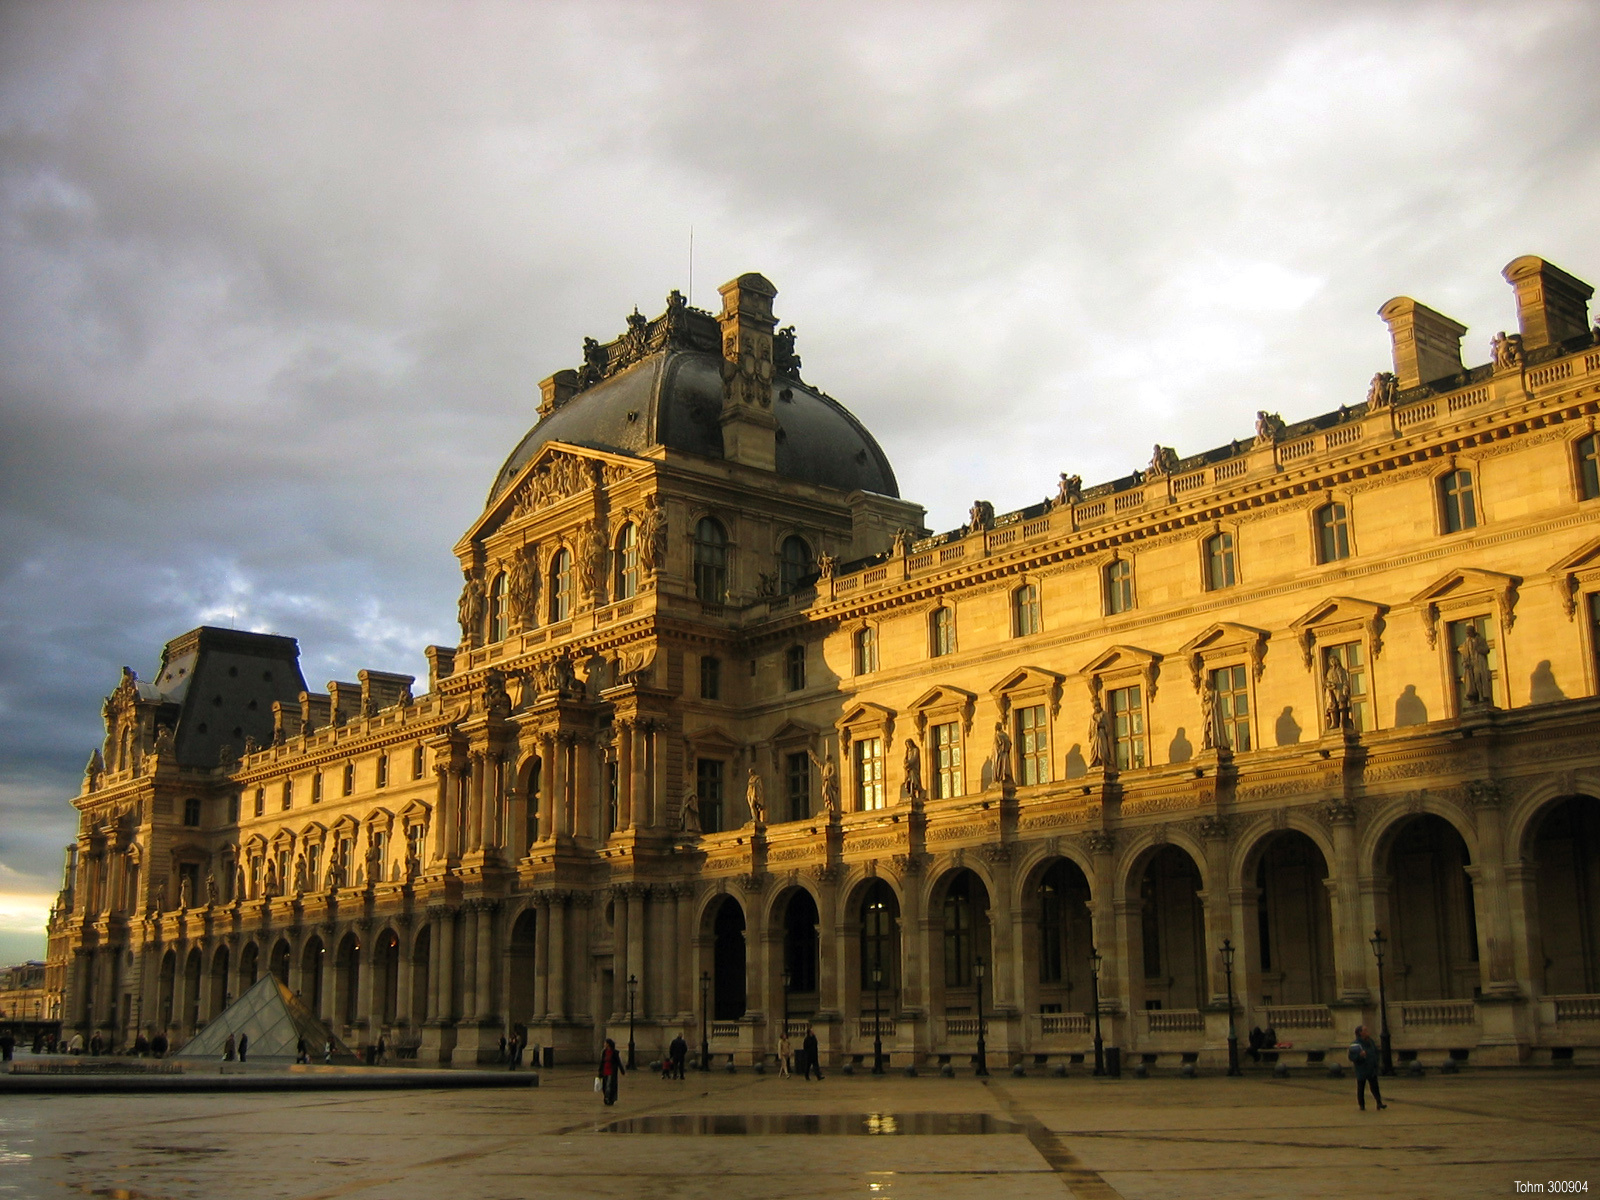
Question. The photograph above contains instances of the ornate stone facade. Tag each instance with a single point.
(729, 737)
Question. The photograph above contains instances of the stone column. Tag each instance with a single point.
(474, 800)
(447, 966)
(547, 787)
(638, 894)
(656, 773)
(365, 963)
(640, 803)
(1001, 973)
(558, 956)
(442, 820)
(541, 956)
(1488, 875)
(403, 983)
(1350, 950)
(829, 944)
(620, 913)
(915, 1001)
(1217, 906)
(436, 920)
(560, 812)
(486, 959)
(625, 788)
(468, 954)
(682, 961)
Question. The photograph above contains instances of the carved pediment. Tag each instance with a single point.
(416, 812)
(313, 832)
(792, 731)
(1030, 680)
(1580, 567)
(1111, 666)
(558, 472)
(1225, 638)
(713, 739)
(944, 698)
(1335, 615)
(866, 718)
(377, 817)
(1463, 588)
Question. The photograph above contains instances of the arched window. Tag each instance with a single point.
(959, 933)
(1119, 587)
(941, 632)
(1333, 533)
(1220, 571)
(1025, 611)
(710, 562)
(866, 650)
(560, 585)
(1589, 468)
(499, 609)
(626, 585)
(1459, 501)
(794, 564)
(880, 912)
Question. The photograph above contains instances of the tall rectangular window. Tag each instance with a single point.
(946, 743)
(941, 632)
(414, 834)
(1458, 665)
(1352, 657)
(1333, 533)
(1220, 571)
(794, 668)
(1460, 501)
(1127, 726)
(797, 777)
(316, 787)
(1589, 467)
(233, 809)
(1594, 631)
(383, 770)
(866, 645)
(1025, 619)
(416, 761)
(868, 755)
(710, 678)
(1033, 744)
(261, 801)
(612, 794)
(1232, 688)
(708, 789)
(1119, 587)
(288, 794)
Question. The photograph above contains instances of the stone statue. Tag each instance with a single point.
(1071, 489)
(1507, 351)
(270, 885)
(250, 745)
(1099, 736)
(1336, 695)
(163, 745)
(1269, 428)
(830, 780)
(336, 874)
(766, 584)
(185, 893)
(1212, 734)
(980, 516)
(675, 327)
(594, 363)
(653, 537)
(211, 888)
(301, 882)
(1003, 770)
(754, 796)
(913, 784)
(93, 770)
(495, 699)
(1381, 392)
(827, 564)
(594, 550)
(238, 883)
(1477, 685)
(689, 810)
(785, 362)
(469, 609)
(1164, 460)
(902, 542)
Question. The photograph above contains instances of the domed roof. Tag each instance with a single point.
(661, 385)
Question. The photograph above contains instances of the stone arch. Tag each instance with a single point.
(796, 919)
(421, 955)
(527, 790)
(1251, 841)
(1034, 860)
(521, 941)
(189, 1018)
(1524, 817)
(218, 994)
(1430, 910)
(723, 926)
(312, 989)
(167, 991)
(1378, 838)
(347, 980)
(1167, 957)
(1144, 844)
(386, 978)
(958, 911)
(249, 967)
(1057, 934)
(278, 962)
(1286, 952)
(1562, 850)
(878, 934)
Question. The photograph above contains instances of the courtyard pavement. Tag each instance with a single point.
(753, 1137)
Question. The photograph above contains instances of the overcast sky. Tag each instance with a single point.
(277, 282)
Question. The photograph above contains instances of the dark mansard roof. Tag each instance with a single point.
(661, 385)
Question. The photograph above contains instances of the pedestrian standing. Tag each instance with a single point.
(302, 1052)
(783, 1055)
(158, 1044)
(383, 1049)
(611, 1071)
(808, 1051)
(8, 1044)
(244, 1045)
(228, 1049)
(327, 1051)
(1364, 1054)
(679, 1051)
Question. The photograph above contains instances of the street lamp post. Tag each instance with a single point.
(633, 990)
(1233, 1032)
(1379, 942)
(1094, 999)
(877, 1020)
(705, 1040)
(983, 1055)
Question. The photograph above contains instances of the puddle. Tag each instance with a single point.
(828, 1125)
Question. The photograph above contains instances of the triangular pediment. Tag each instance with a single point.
(714, 737)
(556, 474)
(794, 731)
(417, 810)
(1120, 657)
(1027, 677)
(1225, 637)
(942, 695)
(1338, 612)
(1581, 559)
(1464, 587)
(1571, 570)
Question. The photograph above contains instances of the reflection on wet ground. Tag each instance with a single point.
(828, 1124)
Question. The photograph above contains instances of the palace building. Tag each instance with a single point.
(731, 740)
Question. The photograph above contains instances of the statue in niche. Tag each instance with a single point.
(238, 883)
(1098, 738)
(755, 797)
(829, 772)
(1071, 489)
(653, 536)
(470, 608)
(1269, 428)
(522, 586)
(185, 892)
(980, 516)
(1381, 392)
(211, 888)
(913, 767)
(1477, 685)
(689, 810)
(1336, 695)
(1506, 350)
(1004, 774)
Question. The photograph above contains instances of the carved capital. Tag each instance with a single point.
(995, 852)
(1339, 812)
(1100, 841)
(1213, 829)
(1484, 794)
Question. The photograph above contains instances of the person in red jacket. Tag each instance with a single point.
(610, 1071)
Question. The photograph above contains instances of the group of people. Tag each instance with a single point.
(512, 1048)
(236, 1050)
(1262, 1039)
(810, 1060)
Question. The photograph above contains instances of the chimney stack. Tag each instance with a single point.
(1552, 306)
(1426, 344)
(749, 429)
(556, 391)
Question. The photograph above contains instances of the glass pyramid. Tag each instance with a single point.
(275, 1020)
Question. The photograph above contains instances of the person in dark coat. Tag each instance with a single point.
(1256, 1038)
(244, 1045)
(808, 1051)
(611, 1070)
(7, 1045)
(158, 1045)
(1364, 1054)
(678, 1051)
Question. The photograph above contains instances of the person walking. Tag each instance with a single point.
(229, 1048)
(679, 1051)
(383, 1049)
(611, 1070)
(302, 1052)
(1364, 1054)
(158, 1044)
(8, 1045)
(327, 1051)
(808, 1051)
(244, 1045)
(784, 1053)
